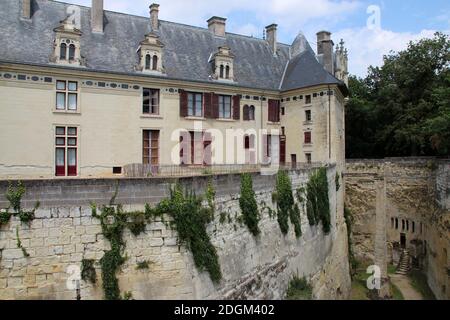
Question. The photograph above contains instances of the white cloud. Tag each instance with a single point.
(367, 47)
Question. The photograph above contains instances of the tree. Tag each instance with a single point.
(403, 107)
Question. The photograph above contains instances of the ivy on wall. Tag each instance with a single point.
(287, 209)
(318, 204)
(190, 219)
(248, 204)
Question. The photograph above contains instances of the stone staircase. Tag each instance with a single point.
(404, 266)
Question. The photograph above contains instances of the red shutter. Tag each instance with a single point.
(215, 106)
(277, 111)
(236, 107)
(270, 117)
(207, 97)
(274, 110)
(183, 103)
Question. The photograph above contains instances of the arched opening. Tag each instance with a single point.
(251, 113)
(155, 62)
(147, 62)
(221, 71)
(249, 147)
(227, 72)
(71, 52)
(63, 52)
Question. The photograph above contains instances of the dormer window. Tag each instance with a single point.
(150, 54)
(223, 64)
(67, 44)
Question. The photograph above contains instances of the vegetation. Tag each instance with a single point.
(419, 282)
(318, 205)
(143, 265)
(299, 289)
(351, 256)
(247, 202)
(403, 107)
(88, 271)
(19, 244)
(14, 196)
(396, 293)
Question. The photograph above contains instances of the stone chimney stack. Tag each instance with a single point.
(26, 9)
(97, 16)
(271, 34)
(154, 20)
(325, 50)
(217, 26)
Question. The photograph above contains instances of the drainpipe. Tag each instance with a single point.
(329, 123)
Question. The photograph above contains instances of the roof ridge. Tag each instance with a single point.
(166, 21)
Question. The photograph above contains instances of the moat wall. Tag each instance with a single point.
(416, 206)
(64, 232)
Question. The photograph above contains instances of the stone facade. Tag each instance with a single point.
(64, 232)
(417, 213)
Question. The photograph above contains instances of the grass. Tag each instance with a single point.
(396, 293)
(419, 282)
(359, 286)
(299, 289)
(391, 269)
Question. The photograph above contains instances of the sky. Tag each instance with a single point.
(370, 29)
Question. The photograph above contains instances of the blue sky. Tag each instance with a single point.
(400, 20)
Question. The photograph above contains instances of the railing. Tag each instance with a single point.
(147, 171)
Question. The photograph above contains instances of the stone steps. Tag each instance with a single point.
(404, 265)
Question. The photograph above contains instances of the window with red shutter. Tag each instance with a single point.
(308, 139)
(215, 106)
(66, 151)
(274, 111)
(246, 113)
(207, 97)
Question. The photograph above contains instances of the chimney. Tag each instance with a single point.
(325, 50)
(217, 26)
(97, 16)
(154, 20)
(26, 9)
(271, 35)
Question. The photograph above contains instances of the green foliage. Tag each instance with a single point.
(318, 205)
(420, 283)
(223, 217)
(299, 289)
(143, 265)
(127, 296)
(337, 181)
(4, 217)
(113, 221)
(19, 244)
(14, 195)
(190, 220)
(285, 200)
(403, 107)
(294, 215)
(351, 256)
(88, 271)
(136, 222)
(248, 204)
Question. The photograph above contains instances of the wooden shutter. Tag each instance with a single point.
(274, 110)
(215, 105)
(207, 98)
(183, 103)
(236, 107)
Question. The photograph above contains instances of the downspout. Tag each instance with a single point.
(329, 123)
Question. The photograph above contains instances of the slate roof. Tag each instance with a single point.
(187, 49)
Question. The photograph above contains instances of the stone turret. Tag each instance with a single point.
(341, 63)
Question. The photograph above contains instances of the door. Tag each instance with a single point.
(403, 240)
(294, 161)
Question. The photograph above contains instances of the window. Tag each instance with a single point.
(249, 113)
(195, 148)
(407, 225)
(283, 131)
(308, 139)
(151, 147)
(396, 223)
(150, 101)
(195, 104)
(392, 223)
(71, 52)
(283, 111)
(225, 107)
(66, 95)
(147, 62)
(308, 116)
(413, 227)
(403, 225)
(66, 147)
(221, 71)
(274, 110)
(227, 72)
(117, 170)
(155, 62)
(63, 51)
(308, 99)
(308, 157)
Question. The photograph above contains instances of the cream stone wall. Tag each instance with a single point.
(64, 232)
(110, 123)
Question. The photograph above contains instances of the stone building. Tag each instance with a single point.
(89, 93)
